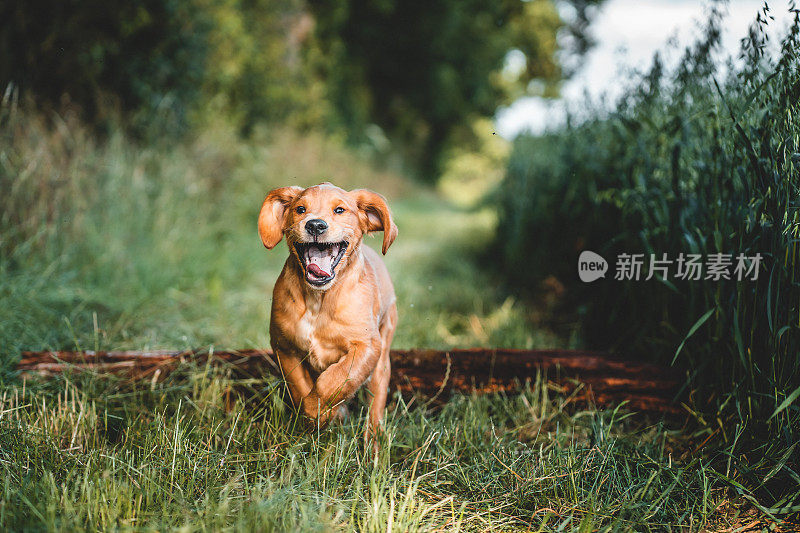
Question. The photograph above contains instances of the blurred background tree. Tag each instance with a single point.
(140, 55)
(258, 65)
(418, 73)
(426, 72)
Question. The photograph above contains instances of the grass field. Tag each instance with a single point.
(146, 248)
(114, 245)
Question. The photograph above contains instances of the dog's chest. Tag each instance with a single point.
(309, 338)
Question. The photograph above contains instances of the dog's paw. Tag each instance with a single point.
(320, 420)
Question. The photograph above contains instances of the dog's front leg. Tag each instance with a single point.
(340, 381)
(296, 375)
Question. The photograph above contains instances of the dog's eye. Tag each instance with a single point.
(300, 210)
(339, 210)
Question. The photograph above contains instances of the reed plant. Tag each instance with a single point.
(702, 157)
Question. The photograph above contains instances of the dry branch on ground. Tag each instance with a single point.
(604, 379)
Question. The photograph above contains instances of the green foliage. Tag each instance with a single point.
(164, 64)
(474, 166)
(147, 56)
(258, 68)
(685, 164)
(424, 71)
(115, 245)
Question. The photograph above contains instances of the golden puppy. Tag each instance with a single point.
(333, 307)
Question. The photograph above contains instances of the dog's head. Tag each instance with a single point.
(323, 226)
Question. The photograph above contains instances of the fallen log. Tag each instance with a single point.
(607, 380)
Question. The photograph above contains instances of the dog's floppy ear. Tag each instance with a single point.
(375, 215)
(273, 213)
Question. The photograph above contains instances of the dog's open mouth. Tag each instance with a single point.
(319, 259)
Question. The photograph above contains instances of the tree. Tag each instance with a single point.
(258, 66)
(424, 70)
(135, 51)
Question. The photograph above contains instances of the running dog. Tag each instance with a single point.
(333, 306)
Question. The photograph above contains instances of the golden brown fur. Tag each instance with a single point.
(331, 338)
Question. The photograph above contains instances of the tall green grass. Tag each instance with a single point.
(701, 159)
(108, 244)
(82, 453)
(111, 244)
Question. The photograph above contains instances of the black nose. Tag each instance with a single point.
(316, 226)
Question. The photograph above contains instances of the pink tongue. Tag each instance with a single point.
(317, 271)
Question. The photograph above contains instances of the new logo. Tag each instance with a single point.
(591, 266)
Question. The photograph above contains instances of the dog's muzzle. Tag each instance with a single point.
(319, 259)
